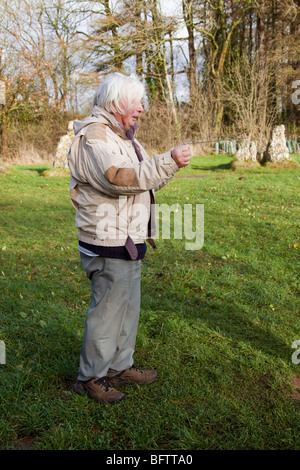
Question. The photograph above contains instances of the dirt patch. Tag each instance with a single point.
(55, 172)
(295, 383)
(25, 443)
(281, 165)
(244, 165)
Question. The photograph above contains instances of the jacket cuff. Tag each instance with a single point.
(168, 160)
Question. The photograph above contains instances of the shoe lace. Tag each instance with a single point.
(136, 369)
(103, 382)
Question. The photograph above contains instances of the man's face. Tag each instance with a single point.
(131, 116)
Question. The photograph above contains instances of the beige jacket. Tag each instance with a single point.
(109, 186)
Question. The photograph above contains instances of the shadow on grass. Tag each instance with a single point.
(223, 166)
(35, 168)
(229, 319)
(46, 348)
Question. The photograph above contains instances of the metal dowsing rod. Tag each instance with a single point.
(221, 138)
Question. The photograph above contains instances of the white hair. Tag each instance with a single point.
(118, 92)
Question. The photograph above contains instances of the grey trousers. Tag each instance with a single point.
(113, 316)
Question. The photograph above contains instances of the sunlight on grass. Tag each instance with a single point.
(218, 323)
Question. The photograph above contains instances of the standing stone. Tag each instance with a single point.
(61, 157)
(2, 92)
(247, 151)
(277, 149)
(253, 151)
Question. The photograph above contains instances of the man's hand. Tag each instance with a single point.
(181, 155)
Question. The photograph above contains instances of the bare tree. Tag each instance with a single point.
(136, 34)
(227, 52)
(188, 15)
(213, 25)
(242, 92)
(45, 39)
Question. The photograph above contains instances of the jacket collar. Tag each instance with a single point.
(109, 119)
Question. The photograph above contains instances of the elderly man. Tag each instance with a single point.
(112, 189)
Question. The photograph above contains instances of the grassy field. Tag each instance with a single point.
(218, 323)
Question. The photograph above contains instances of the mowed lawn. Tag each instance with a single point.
(219, 323)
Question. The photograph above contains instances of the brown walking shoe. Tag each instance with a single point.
(133, 375)
(99, 390)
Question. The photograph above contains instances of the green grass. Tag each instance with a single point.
(218, 323)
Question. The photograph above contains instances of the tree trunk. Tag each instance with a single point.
(189, 23)
(262, 67)
(220, 106)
